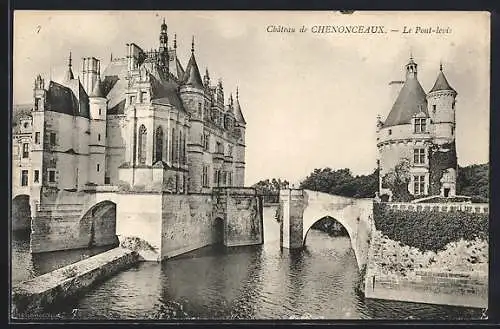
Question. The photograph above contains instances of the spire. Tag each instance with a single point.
(206, 78)
(238, 114)
(97, 91)
(441, 82)
(192, 76)
(69, 73)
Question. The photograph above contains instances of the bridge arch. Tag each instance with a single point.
(97, 225)
(331, 222)
(302, 208)
(21, 212)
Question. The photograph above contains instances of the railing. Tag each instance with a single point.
(442, 207)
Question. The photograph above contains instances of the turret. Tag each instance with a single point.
(97, 102)
(163, 59)
(39, 94)
(411, 69)
(441, 107)
(240, 145)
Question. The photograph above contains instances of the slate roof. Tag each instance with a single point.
(71, 99)
(237, 112)
(97, 91)
(192, 75)
(410, 101)
(441, 83)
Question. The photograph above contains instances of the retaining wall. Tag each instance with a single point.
(35, 295)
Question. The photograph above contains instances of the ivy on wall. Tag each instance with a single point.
(429, 230)
(397, 181)
(440, 159)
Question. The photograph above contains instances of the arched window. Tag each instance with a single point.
(142, 144)
(173, 148)
(159, 145)
(181, 147)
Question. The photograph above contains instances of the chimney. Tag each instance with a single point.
(395, 87)
(90, 73)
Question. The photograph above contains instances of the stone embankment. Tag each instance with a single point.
(457, 275)
(35, 295)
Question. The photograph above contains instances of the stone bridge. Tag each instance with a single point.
(165, 224)
(300, 209)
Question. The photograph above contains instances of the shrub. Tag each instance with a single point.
(429, 230)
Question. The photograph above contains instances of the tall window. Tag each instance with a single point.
(52, 175)
(37, 103)
(37, 137)
(142, 144)
(204, 177)
(24, 178)
(98, 167)
(181, 147)
(159, 145)
(452, 130)
(419, 156)
(174, 146)
(53, 139)
(230, 150)
(419, 184)
(99, 137)
(36, 176)
(206, 142)
(216, 177)
(229, 179)
(25, 150)
(434, 108)
(420, 125)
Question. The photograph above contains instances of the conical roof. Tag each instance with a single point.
(238, 115)
(441, 83)
(69, 74)
(410, 101)
(180, 71)
(192, 75)
(97, 91)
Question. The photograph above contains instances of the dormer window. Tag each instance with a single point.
(434, 109)
(420, 125)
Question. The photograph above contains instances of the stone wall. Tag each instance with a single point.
(457, 275)
(244, 218)
(186, 223)
(35, 295)
(62, 224)
(139, 215)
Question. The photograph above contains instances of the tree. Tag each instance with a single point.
(342, 182)
(473, 181)
(270, 189)
(397, 181)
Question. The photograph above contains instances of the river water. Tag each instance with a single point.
(255, 282)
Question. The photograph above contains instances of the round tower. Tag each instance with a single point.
(97, 102)
(441, 107)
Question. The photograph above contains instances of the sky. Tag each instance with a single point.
(310, 99)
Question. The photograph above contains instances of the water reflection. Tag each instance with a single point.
(26, 266)
(255, 282)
